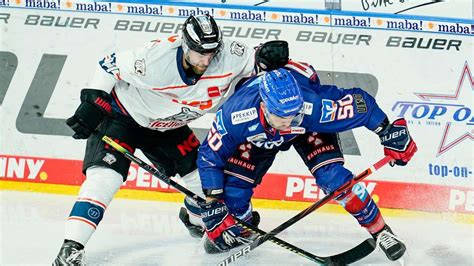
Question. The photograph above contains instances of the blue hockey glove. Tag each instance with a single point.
(221, 227)
(397, 142)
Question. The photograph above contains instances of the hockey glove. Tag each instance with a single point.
(221, 227)
(95, 105)
(272, 55)
(397, 141)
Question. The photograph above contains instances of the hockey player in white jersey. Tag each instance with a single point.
(144, 99)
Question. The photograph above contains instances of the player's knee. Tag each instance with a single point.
(330, 177)
(101, 184)
(237, 201)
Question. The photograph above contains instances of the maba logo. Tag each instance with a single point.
(452, 112)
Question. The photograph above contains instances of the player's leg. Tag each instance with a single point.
(322, 155)
(243, 172)
(105, 170)
(175, 154)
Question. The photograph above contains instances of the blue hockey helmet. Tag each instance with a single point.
(282, 95)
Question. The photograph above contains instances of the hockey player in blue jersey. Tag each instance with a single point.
(272, 112)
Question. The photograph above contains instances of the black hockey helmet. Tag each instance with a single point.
(201, 34)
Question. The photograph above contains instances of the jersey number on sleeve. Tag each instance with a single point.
(342, 109)
(214, 138)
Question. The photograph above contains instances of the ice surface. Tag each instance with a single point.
(137, 232)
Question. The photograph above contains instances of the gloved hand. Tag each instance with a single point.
(221, 227)
(272, 55)
(397, 142)
(95, 105)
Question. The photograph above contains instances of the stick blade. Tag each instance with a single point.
(354, 254)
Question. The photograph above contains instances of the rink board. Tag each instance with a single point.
(417, 67)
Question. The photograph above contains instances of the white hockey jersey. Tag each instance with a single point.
(151, 86)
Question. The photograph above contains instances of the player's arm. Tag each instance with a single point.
(213, 154)
(212, 157)
(95, 99)
(346, 109)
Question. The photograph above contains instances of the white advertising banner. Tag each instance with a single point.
(419, 68)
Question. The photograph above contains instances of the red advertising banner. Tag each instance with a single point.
(398, 195)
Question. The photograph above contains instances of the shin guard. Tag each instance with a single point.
(360, 205)
(95, 195)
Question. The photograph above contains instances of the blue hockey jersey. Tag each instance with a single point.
(240, 119)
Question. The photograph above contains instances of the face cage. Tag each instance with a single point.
(295, 122)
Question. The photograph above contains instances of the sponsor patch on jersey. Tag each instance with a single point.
(237, 48)
(269, 144)
(293, 130)
(328, 111)
(244, 116)
(109, 158)
(360, 104)
(258, 137)
(308, 108)
(174, 121)
(140, 67)
(220, 123)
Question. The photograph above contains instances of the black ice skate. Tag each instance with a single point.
(211, 248)
(389, 243)
(195, 231)
(71, 253)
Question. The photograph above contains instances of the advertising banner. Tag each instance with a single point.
(417, 67)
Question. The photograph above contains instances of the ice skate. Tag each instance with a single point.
(71, 253)
(389, 243)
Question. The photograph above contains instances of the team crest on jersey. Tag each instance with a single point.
(244, 116)
(174, 121)
(220, 123)
(109, 158)
(140, 67)
(237, 48)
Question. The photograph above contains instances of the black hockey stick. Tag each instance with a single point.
(346, 257)
(331, 260)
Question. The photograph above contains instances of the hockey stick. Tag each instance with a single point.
(334, 259)
(346, 257)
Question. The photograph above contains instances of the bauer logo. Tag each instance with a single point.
(450, 112)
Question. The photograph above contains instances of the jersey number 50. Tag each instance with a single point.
(214, 138)
(342, 109)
